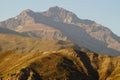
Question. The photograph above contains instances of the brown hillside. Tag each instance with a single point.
(65, 64)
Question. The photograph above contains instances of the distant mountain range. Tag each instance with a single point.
(60, 24)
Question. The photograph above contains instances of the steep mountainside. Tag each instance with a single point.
(65, 64)
(60, 24)
(93, 29)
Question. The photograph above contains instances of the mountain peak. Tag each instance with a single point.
(61, 15)
(27, 11)
(56, 8)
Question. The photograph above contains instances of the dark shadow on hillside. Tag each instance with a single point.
(36, 76)
(93, 74)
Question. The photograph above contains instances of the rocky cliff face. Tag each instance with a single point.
(60, 24)
(103, 34)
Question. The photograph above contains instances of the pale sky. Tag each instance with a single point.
(105, 12)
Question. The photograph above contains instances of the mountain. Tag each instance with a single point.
(64, 64)
(60, 24)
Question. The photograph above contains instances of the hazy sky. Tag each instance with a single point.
(105, 12)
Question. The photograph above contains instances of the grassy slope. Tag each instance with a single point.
(50, 65)
(61, 64)
(26, 44)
